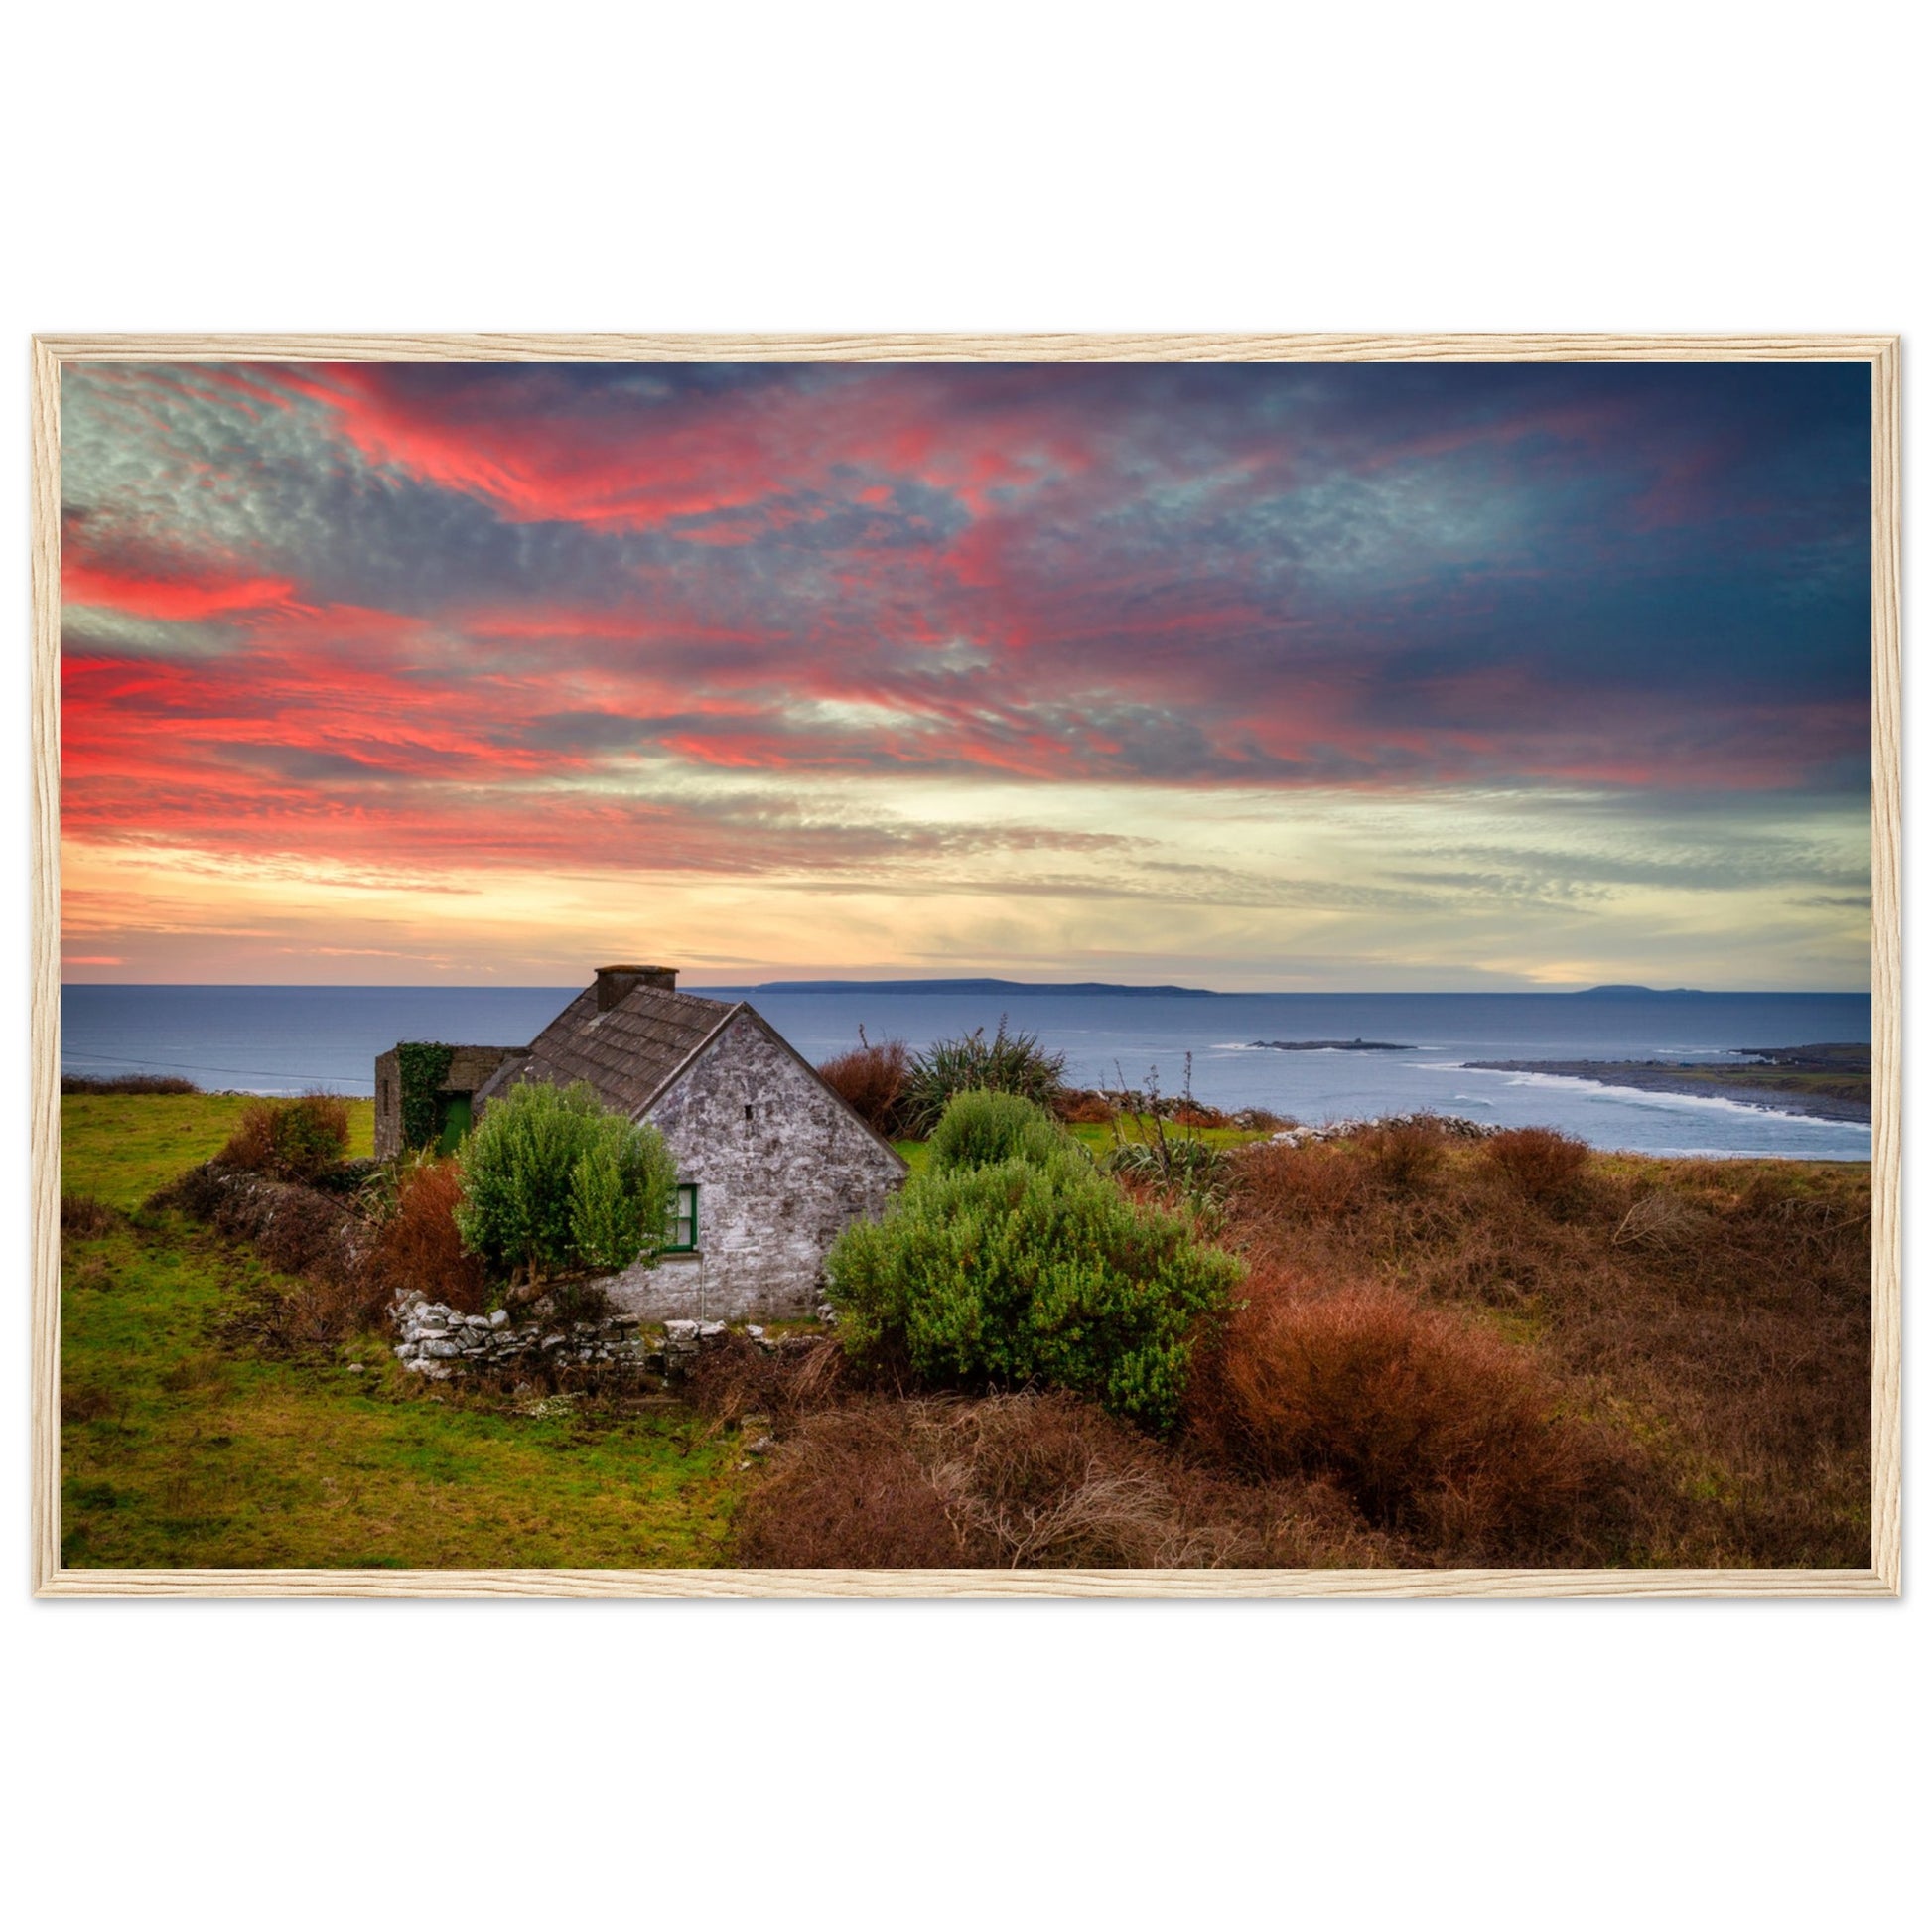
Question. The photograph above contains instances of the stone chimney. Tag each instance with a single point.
(613, 982)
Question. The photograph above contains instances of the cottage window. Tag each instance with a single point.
(681, 1228)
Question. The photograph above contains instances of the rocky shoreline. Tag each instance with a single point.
(1707, 1083)
(1334, 1046)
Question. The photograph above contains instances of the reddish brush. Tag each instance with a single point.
(871, 1079)
(289, 1140)
(1545, 1164)
(1083, 1107)
(1021, 1482)
(419, 1251)
(1403, 1156)
(1430, 1424)
(1277, 1183)
(848, 1494)
(736, 1378)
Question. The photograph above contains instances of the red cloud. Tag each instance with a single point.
(174, 599)
(798, 577)
(541, 454)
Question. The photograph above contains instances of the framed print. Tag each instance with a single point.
(1210, 966)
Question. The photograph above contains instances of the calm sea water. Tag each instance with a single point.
(283, 1039)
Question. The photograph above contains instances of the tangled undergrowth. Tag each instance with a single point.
(1505, 1350)
(1026, 1482)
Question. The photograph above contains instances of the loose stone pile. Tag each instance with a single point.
(440, 1341)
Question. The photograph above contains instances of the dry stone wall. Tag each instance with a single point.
(441, 1343)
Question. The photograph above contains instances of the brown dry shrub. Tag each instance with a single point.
(847, 1493)
(1274, 1182)
(1197, 1113)
(300, 1232)
(418, 1250)
(87, 1216)
(1729, 1331)
(735, 1378)
(1023, 1482)
(1430, 1424)
(289, 1140)
(1084, 1107)
(124, 1083)
(1404, 1156)
(1544, 1166)
(871, 1079)
(1661, 1220)
(307, 1317)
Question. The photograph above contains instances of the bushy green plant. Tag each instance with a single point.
(980, 1127)
(1009, 1062)
(552, 1182)
(1030, 1268)
(618, 1203)
(1191, 1168)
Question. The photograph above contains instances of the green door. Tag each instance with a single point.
(452, 1121)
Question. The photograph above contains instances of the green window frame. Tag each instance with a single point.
(681, 1225)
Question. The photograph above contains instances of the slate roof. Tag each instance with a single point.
(628, 1053)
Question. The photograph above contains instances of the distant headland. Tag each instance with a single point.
(1087, 986)
(1634, 992)
(1335, 1046)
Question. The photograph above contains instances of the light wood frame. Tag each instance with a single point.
(1882, 1579)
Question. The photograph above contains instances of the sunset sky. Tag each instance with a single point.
(1350, 677)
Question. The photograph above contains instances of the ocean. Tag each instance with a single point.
(285, 1039)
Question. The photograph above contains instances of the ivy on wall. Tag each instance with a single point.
(421, 1067)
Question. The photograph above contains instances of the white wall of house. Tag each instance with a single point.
(781, 1167)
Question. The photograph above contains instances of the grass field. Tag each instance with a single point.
(179, 1449)
(120, 1146)
(1713, 1316)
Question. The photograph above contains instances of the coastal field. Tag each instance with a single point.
(1705, 1323)
(183, 1443)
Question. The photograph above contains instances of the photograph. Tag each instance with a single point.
(933, 965)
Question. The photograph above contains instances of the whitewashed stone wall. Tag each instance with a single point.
(782, 1168)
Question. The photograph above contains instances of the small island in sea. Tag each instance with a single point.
(1334, 1046)
(1831, 1080)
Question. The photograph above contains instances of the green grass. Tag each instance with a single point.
(121, 1146)
(1098, 1138)
(1835, 1086)
(180, 1450)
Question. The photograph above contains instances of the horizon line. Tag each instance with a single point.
(843, 984)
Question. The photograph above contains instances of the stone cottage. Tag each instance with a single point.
(773, 1164)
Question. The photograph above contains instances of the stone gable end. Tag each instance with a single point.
(781, 1167)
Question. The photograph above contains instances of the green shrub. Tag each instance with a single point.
(553, 1181)
(1030, 1268)
(1007, 1063)
(1189, 1167)
(289, 1140)
(981, 1128)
